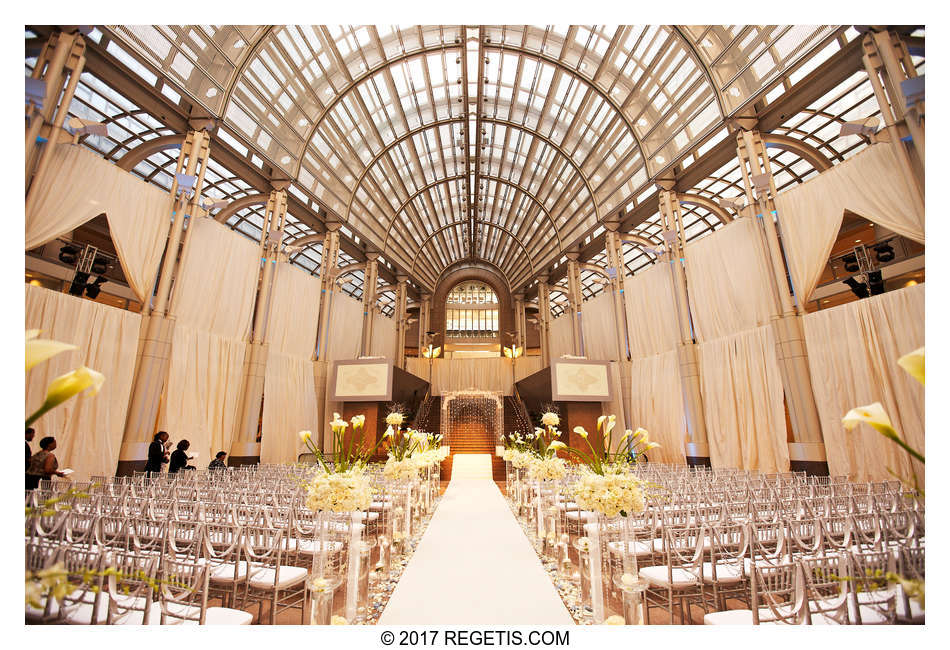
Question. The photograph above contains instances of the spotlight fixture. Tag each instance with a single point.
(851, 263)
(884, 252)
(68, 253)
(876, 283)
(867, 126)
(100, 265)
(78, 285)
(93, 289)
(857, 288)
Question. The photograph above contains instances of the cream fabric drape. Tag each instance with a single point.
(728, 276)
(870, 184)
(384, 337)
(743, 401)
(216, 285)
(213, 301)
(615, 406)
(475, 374)
(600, 326)
(656, 404)
(294, 312)
(290, 406)
(560, 336)
(346, 328)
(290, 399)
(651, 311)
(853, 351)
(79, 186)
(88, 430)
(201, 397)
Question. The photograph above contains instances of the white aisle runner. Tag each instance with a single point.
(474, 565)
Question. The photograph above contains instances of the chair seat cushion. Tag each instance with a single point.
(659, 575)
(730, 617)
(265, 578)
(181, 614)
(224, 572)
(725, 573)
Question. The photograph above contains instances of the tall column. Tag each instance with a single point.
(807, 450)
(575, 300)
(519, 320)
(544, 319)
(369, 302)
(697, 440)
(154, 353)
(425, 309)
(888, 63)
(62, 56)
(328, 265)
(615, 268)
(401, 318)
(244, 446)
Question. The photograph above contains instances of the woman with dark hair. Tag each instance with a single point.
(179, 459)
(43, 464)
(157, 455)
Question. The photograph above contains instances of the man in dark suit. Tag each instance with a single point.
(157, 454)
(30, 432)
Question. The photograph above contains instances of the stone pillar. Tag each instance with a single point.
(697, 440)
(425, 311)
(615, 268)
(807, 448)
(244, 446)
(575, 298)
(151, 368)
(62, 56)
(401, 318)
(544, 319)
(369, 302)
(328, 265)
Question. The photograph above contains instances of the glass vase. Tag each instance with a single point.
(322, 591)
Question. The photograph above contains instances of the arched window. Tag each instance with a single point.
(471, 311)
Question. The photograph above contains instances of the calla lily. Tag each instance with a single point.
(600, 422)
(581, 431)
(65, 386)
(873, 414)
(557, 444)
(358, 420)
(652, 445)
(641, 435)
(913, 362)
(389, 432)
(611, 423)
(305, 436)
(626, 434)
(39, 350)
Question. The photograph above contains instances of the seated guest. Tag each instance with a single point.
(218, 462)
(30, 432)
(43, 464)
(179, 459)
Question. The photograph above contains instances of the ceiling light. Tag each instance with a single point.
(734, 91)
(660, 160)
(211, 92)
(642, 122)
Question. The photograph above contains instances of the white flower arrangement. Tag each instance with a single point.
(394, 419)
(405, 469)
(550, 419)
(522, 459)
(551, 468)
(347, 491)
(615, 492)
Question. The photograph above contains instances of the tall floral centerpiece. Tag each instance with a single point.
(544, 470)
(339, 491)
(607, 487)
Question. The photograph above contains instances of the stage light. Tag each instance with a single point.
(857, 288)
(78, 284)
(68, 253)
(885, 252)
(100, 265)
(93, 289)
(876, 283)
(851, 264)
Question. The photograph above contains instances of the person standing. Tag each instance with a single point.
(157, 455)
(30, 432)
(43, 464)
(179, 459)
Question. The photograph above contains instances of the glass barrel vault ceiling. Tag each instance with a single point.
(504, 143)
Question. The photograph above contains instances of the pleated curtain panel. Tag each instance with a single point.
(560, 336)
(870, 185)
(492, 374)
(88, 429)
(290, 400)
(345, 330)
(853, 351)
(731, 302)
(600, 325)
(213, 302)
(80, 186)
(384, 337)
(656, 400)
